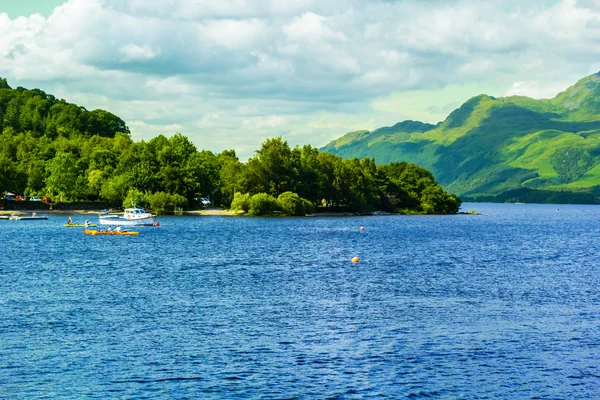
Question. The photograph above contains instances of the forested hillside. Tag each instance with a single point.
(492, 145)
(49, 147)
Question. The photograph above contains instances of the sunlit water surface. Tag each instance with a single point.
(501, 305)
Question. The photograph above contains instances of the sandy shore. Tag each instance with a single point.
(214, 212)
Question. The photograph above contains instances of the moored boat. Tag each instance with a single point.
(33, 216)
(131, 217)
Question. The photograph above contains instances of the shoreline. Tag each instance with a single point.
(21, 212)
(211, 212)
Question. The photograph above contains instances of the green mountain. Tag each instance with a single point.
(490, 145)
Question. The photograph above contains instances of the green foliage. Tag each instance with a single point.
(231, 173)
(434, 200)
(51, 147)
(136, 197)
(571, 163)
(292, 204)
(161, 202)
(4, 84)
(115, 189)
(526, 195)
(274, 168)
(308, 205)
(263, 203)
(241, 202)
(63, 176)
(492, 145)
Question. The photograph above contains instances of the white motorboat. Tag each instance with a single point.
(131, 216)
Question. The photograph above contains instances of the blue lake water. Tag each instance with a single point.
(501, 305)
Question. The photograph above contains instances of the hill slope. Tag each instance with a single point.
(493, 145)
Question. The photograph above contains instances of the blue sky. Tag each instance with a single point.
(17, 8)
(230, 73)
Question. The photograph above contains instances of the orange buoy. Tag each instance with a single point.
(355, 260)
(362, 228)
(157, 224)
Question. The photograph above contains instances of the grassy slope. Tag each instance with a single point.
(491, 145)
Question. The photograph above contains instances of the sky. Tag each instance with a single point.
(230, 73)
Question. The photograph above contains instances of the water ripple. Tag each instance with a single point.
(501, 305)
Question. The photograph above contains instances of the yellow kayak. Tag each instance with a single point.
(96, 233)
(78, 225)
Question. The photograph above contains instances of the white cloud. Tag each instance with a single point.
(311, 27)
(235, 34)
(537, 89)
(230, 73)
(134, 52)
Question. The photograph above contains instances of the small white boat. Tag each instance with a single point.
(131, 216)
(33, 216)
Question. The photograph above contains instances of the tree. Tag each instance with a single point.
(262, 203)
(4, 84)
(272, 169)
(63, 174)
(12, 116)
(292, 204)
(231, 177)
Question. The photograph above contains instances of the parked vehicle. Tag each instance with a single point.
(35, 198)
(19, 198)
(205, 202)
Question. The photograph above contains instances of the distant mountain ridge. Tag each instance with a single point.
(493, 145)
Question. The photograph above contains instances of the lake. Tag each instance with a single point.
(500, 305)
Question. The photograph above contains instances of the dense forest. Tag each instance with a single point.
(49, 147)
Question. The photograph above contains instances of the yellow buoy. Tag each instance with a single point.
(355, 260)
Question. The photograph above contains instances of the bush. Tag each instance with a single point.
(161, 202)
(309, 207)
(435, 200)
(292, 204)
(263, 203)
(240, 202)
(134, 196)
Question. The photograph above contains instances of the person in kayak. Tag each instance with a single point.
(109, 229)
(70, 221)
(118, 229)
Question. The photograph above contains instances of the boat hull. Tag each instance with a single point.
(117, 220)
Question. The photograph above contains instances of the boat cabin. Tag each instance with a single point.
(135, 213)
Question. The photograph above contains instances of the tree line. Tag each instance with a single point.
(49, 147)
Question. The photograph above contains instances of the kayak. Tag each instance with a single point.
(115, 233)
(78, 225)
(96, 233)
